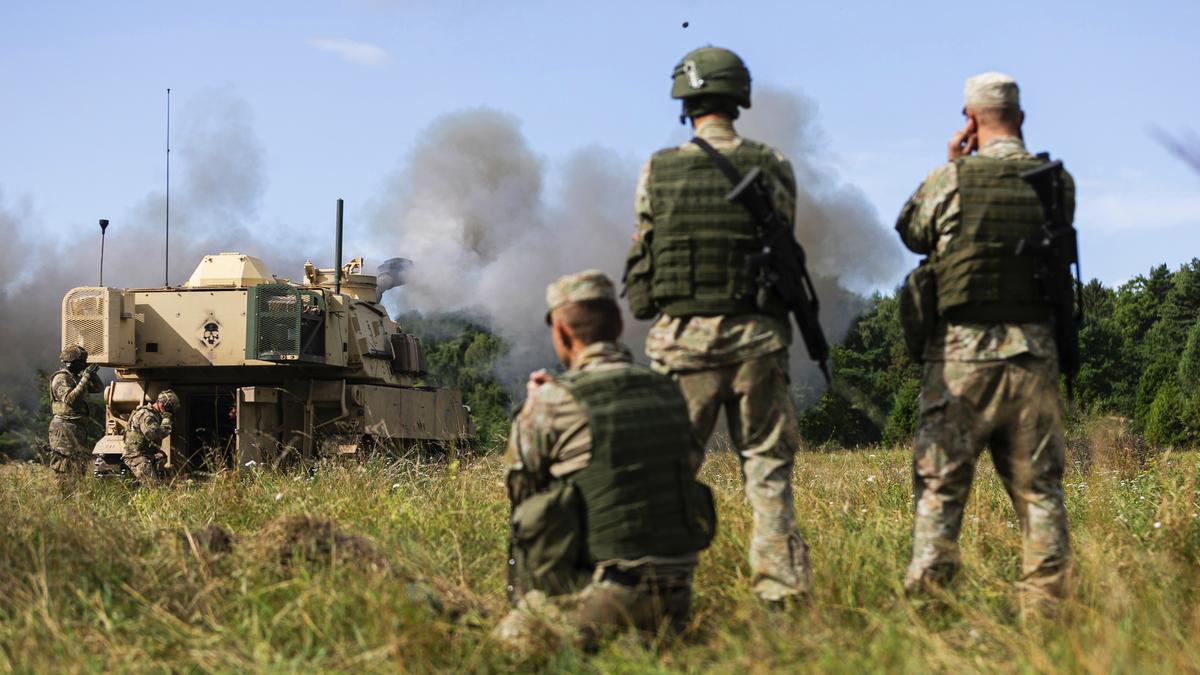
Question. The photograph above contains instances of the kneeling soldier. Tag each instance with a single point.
(148, 426)
(607, 515)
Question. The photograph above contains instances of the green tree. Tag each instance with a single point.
(873, 394)
(462, 354)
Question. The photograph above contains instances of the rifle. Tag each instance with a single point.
(1057, 253)
(781, 262)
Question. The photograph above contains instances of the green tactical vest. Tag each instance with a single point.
(700, 241)
(136, 442)
(68, 411)
(639, 495)
(980, 277)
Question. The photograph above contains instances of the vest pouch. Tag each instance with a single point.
(720, 266)
(987, 283)
(639, 279)
(918, 309)
(548, 542)
(672, 276)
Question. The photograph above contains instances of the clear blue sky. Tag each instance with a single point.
(340, 90)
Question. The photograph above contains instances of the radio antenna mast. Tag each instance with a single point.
(167, 233)
(103, 227)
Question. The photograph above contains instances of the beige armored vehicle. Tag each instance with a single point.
(267, 370)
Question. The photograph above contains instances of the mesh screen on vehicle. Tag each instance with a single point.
(277, 314)
(286, 323)
(84, 314)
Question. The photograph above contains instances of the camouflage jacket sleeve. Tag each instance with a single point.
(930, 216)
(642, 211)
(154, 428)
(550, 438)
(61, 388)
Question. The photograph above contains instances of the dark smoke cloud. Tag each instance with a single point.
(849, 249)
(472, 211)
(218, 180)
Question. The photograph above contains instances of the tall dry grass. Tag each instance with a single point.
(110, 578)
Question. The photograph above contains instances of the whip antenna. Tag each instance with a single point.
(167, 233)
(103, 227)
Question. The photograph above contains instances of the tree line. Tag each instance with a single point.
(1140, 344)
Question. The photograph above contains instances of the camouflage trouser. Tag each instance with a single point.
(1012, 407)
(583, 618)
(764, 431)
(69, 458)
(143, 467)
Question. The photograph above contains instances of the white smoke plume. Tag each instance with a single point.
(470, 208)
(218, 180)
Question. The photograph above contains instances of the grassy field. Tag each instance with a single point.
(114, 579)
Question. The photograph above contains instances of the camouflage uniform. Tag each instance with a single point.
(551, 439)
(67, 435)
(739, 363)
(985, 384)
(147, 428)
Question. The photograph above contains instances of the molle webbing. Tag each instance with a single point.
(79, 409)
(700, 240)
(637, 487)
(980, 276)
(136, 442)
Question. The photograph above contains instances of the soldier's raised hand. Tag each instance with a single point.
(962, 142)
(536, 379)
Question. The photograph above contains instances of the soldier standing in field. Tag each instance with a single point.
(607, 516)
(69, 389)
(720, 333)
(149, 424)
(991, 373)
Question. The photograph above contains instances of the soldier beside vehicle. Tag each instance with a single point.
(70, 387)
(70, 457)
(149, 424)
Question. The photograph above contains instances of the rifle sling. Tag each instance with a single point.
(720, 160)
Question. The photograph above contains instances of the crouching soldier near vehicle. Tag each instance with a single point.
(607, 518)
(67, 436)
(149, 424)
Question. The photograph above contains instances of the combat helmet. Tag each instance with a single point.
(710, 71)
(72, 354)
(169, 400)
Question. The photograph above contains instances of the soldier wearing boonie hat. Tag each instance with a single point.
(991, 369)
(603, 439)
